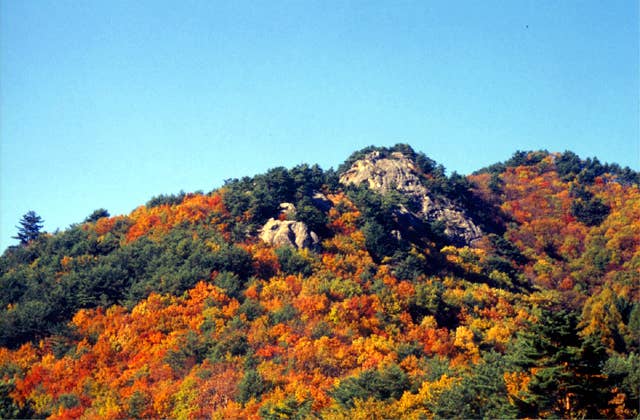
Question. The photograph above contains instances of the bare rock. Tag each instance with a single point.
(384, 174)
(288, 209)
(288, 232)
(397, 172)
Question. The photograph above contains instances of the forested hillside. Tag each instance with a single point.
(383, 289)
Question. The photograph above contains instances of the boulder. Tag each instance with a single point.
(288, 232)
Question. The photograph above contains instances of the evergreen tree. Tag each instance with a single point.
(29, 228)
(567, 379)
(481, 392)
(96, 215)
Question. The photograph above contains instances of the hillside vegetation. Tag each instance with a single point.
(512, 292)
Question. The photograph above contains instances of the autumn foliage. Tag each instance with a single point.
(178, 310)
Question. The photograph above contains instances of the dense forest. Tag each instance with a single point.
(356, 302)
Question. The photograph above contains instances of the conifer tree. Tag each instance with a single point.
(29, 228)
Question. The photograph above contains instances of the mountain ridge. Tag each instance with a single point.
(181, 309)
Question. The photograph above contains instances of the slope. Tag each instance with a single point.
(181, 310)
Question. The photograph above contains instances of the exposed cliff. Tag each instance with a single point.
(395, 171)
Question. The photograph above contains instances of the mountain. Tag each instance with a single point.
(383, 289)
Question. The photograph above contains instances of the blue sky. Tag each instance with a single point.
(108, 103)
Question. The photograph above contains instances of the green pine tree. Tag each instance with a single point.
(29, 229)
(567, 381)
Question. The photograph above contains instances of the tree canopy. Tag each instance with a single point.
(180, 310)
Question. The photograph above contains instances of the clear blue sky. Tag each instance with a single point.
(108, 103)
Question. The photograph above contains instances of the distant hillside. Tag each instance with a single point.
(383, 289)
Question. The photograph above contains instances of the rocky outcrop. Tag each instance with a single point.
(288, 209)
(288, 232)
(458, 227)
(384, 173)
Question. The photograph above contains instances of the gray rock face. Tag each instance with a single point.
(397, 172)
(384, 174)
(288, 232)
